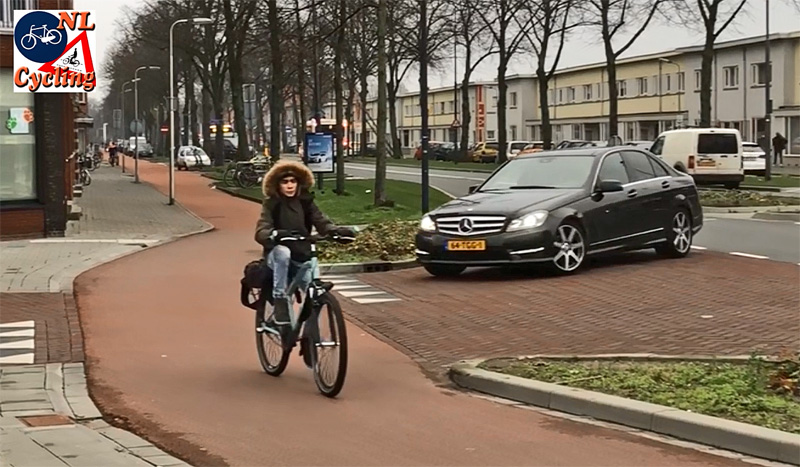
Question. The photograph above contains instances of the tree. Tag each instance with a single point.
(470, 33)
(339, 95)
(380, 162)
(711, 13)
(276, 81)
(611, 17)
(551, 20)
(237, 22)
(506, 21)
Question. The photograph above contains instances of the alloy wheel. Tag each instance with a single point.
(571, 249)
(682, 230)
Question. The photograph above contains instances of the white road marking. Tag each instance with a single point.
(26, 344)
(367, 301)
(342, 281)
(13, 332)
(748, 255)
(361, 293)
(18, 324)
(351, 286)
(22, 359)
(694, 247)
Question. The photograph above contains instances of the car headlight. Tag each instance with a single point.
(528, 221)
(427, 224)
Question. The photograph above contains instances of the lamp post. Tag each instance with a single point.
(666, 60)
(196, 21)
(123, 116)
(136, 119)
(767, 103)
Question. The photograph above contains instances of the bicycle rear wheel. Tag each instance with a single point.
(330, 321)
(272, 354)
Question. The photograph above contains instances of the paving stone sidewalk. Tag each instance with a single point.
(46, 415)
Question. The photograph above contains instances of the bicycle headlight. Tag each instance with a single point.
(528, 221)
(427, 224)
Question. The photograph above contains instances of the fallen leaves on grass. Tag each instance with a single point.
(384, 241)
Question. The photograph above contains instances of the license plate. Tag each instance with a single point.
(707, 163)
(466, 245)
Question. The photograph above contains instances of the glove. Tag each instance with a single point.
(345, 232)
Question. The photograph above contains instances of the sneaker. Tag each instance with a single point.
(281, 316)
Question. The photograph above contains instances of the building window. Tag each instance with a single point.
(681, 81)
(18, 143)
(760, 76)
(571, 94)
(494, 101)
(513, 132)
(669, 83)
(622, 88)
(587, 92)
(490, 134)
(452, 106)
(641, 86)
(600, 87)
(441, 108)
(576, 132)
(731, 74)
(697, 79)
(561, 96)
(513, 99)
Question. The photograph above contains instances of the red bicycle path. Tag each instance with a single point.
(171, 355)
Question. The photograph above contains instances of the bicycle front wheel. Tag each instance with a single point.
(329, 356)
(229, 177)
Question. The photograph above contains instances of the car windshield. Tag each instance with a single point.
(542, 172)
(518, 146)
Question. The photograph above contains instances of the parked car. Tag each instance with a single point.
(558, 207)
(485, 152)
(446, 152)
(191, 156)
(755, 159)
(710, 155)
(432, 145)
(532, 148)
(514, 148)
(640, 144)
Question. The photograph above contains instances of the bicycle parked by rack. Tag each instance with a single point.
(275, 343)
(246, 174)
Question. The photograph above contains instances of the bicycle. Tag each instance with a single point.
(246, 174)
(305, 328)
(48, 36)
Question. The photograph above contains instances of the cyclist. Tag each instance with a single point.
(112, 153)
(289, 210)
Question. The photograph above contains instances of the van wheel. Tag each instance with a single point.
(444, 270)
(679, 236)
(732, 185)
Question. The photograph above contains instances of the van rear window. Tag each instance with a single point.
(717, 143)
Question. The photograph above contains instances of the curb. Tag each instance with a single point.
(356, 268)
(725, 434)
(750, 209)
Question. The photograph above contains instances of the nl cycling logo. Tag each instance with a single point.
(53, 51)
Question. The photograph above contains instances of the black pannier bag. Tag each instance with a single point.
(258, 277)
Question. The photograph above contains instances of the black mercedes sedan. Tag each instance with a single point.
(557, 207)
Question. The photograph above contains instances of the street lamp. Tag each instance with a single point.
(136, 119)
(123, 115)
(195, 21)
(666, 60)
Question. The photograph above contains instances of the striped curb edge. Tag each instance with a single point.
(766, 443)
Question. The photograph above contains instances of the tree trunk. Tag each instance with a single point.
(260, 120)
(351, 96)
(547, 128)
(235, 73)
(276, 84)
(613, 100)
(380, 163)
(466, 116)
(219, 140)
(706, 75)
(397, 149)
(363, 95)
(184, 116)
(502, 142)
(191, 97)
(338, 90)
(206, 111)
(301, 83)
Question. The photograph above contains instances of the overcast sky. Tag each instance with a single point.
(582, 48)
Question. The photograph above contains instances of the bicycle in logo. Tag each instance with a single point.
(47, 36)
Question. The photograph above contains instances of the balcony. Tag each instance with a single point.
(7, 8)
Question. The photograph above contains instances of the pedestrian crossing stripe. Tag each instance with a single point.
(361, 293)
(17, 343)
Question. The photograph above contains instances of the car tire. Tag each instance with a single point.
(732, 185)
(444, 270)
(571, 244)
(679, 236)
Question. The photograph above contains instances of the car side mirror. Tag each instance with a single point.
(609, 186)
(473, 188)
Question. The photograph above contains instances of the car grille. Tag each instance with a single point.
(467, 226)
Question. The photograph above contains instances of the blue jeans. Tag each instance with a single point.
(284, 269)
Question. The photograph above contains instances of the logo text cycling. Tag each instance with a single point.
(53, 51)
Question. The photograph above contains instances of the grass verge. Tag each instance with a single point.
(779, 181)
(441, 165)
(742, 198)
(756, 392)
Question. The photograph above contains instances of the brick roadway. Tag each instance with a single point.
(707, 303)
(57, 332)
(170, 351)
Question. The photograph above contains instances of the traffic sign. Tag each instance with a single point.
(164, 129)
(137, 125)
(455, 123)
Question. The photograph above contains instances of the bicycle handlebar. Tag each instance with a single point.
(315, 238)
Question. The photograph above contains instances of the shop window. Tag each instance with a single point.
(17, 143)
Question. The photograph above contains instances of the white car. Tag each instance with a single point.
(755, 159)
(192, 156)
(318, 158)
(515, 147)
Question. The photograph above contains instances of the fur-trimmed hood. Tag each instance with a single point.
(281, 169)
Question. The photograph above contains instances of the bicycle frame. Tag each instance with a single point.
(41, 28)
(313, 290)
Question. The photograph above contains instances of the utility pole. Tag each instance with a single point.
(423, 98)
(768, 104)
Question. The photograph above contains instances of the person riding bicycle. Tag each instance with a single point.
(112, 153)
(289, 210)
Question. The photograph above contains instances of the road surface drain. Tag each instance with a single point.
(46, 420)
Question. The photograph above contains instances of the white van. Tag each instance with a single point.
(710, 155)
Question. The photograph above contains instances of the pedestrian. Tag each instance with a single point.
(289, 210)
(778, 145)
(112, 154)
